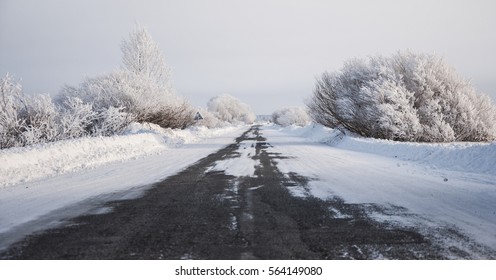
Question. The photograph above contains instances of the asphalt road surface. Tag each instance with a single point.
(202, 214)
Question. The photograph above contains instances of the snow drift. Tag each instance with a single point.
(51, 159)
(457, 156)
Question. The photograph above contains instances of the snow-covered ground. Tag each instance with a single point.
(77, 175)
(439, 186)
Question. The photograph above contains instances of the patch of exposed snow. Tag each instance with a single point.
(242, 165)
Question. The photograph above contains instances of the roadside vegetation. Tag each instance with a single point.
(291, 116)
(225, 110)
(404, 97)
(140, 91)
(228, 109)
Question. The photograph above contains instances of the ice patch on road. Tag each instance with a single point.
(241, 166)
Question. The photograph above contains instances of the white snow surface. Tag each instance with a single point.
(455, 156)
(242, 165)
(442, 186)
(38, 181)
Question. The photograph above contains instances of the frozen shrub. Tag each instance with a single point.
(25, 120)
(229, 109)
(11, 123)
(110, 121)
(291, 116)
(32, 119)
(84, 119)
(406, 97)
(40, 117)
(175, 115)
(77, 118)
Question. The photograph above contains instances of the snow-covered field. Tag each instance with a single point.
(439, 186)
(77, 175)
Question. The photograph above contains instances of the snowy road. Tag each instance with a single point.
(271, 195)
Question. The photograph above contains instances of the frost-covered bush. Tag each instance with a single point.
(291, 116)
(40, 117)
(25, 120)
(111, 121)
(11, 122)
(230, 109)
(32, 119)
(77, 118)
(406, 97)
(135, 96)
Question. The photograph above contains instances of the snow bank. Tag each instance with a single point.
(456, 156)
(139, 140)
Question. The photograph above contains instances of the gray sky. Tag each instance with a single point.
(265, 52)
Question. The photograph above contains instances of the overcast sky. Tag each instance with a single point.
(265, 52)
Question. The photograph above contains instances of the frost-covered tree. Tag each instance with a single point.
(291, 116)
(230, 109)
(406, 97)
(141, 88)
(141, 56)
